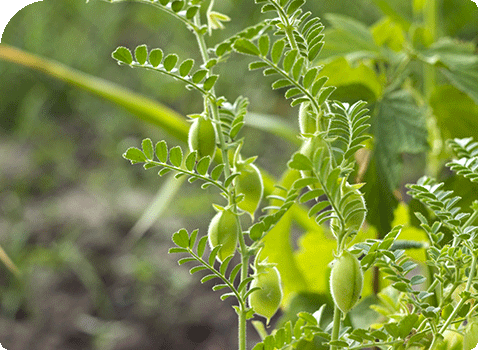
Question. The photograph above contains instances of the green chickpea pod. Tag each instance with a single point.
(250, 184)
(346, 281)
(308, 121)
(224, 230)
(266, 301)
(202, 137)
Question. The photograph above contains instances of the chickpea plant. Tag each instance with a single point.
(286, 46)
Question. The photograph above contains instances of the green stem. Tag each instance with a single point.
(431, 24)
(471, 219)
(429, 83)
(212, 106)
(336, 329)
(289, 31)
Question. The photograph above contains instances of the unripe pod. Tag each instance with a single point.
(224, 230)
(250, 184)
(308, 120)
(266, 301)
(202, 137)
(346, 281)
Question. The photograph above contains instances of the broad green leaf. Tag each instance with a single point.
(141, 54)
(155, 57)
(458, 17)
(267, 8)
(458, 62)
(278, 250)
(314, 266)
(197, 269)
(134, 155)
(399, 127)
(170, 61)
(123, 55)
(247, 47)
(388, 33)
(325, 93)
(222, 48)
(350, 38)
(380, 199)
(353, 83)
(401, 12)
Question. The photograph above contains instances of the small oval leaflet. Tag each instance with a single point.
(123, 55)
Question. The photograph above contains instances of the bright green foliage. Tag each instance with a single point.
(172, 159)
(224, 231)
(202, 80)
(186, 243)
(287, 46)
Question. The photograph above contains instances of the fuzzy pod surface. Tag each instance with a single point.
(266, 301)
(308, 120)
(202, 137)
(346, 281)
(249, 183)
(224, 230)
